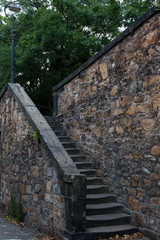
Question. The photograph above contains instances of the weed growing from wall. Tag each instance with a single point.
(16, 208)
(36, 136)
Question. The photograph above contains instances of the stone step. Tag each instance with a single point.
(79, 158)
(64, 138)
(107, 219)
(109, 231)
(83, 165)
(94, 180)
(88, 172)
(59, 132)
(104, 215)
(93, 189)
(68, 144)
(100, 198)
(49, 119)
(72, 151)
(103, 208)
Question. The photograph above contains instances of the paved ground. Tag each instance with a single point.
(9, 231)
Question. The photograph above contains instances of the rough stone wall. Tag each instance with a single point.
(27, 170)
(112, 109)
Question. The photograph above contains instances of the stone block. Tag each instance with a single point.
(148, 124)
(137, 219)
(139, 99)
(21, 188)
(150, 39)
(131, 110)
(156, 101)
(28, 189)
(154, 80)
(155, 201)
(132, 191)
(144, 108)
(114, 91)
(134, 204)
(155, 150)
(118, 111)
(129, 54)
(119, 130)
(35, 171)
(103, 68)
(125, 100)
(135, 177)
(38, 188)
(49, 186)
(154, 176)
(48, 198)
(35, 197)
(146, 209)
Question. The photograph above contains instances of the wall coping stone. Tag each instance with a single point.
(109, 46)
(61, 159)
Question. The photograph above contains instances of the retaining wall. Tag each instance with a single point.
(38, 169)
(111, 107)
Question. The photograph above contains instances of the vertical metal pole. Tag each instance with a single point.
(13, 52)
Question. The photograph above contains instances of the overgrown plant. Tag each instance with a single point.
(36, 136)
(16, 208)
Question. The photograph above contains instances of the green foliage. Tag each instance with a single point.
(16, 208)
(54, 38)
(133, 9)
(36, 135)
(158, 3)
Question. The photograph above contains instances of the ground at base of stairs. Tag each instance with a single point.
(137, 236)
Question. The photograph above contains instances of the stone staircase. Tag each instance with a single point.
(104, 216)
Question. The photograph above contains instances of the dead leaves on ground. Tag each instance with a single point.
(45, 237)
(125, 237)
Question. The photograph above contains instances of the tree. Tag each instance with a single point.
(53, 38)
(133, 9)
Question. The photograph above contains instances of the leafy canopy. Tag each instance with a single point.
(53, 38)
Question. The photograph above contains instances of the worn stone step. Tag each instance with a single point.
(103, 208)
(83, 165)
(88, 172)
(64, 138)
(49, 119)
(72, 151)
(53, 124)
(59, 132)
(100, 198)
(94, 180)
(68, 144)
(107, 219)
(109, 231)
(91, 189)
(79, 158)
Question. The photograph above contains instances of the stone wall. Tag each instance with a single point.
(111, 107)
(38, 170)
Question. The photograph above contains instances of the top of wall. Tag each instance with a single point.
(109, 46)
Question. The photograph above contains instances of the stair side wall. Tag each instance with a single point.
(111, 107)
(35, 167)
